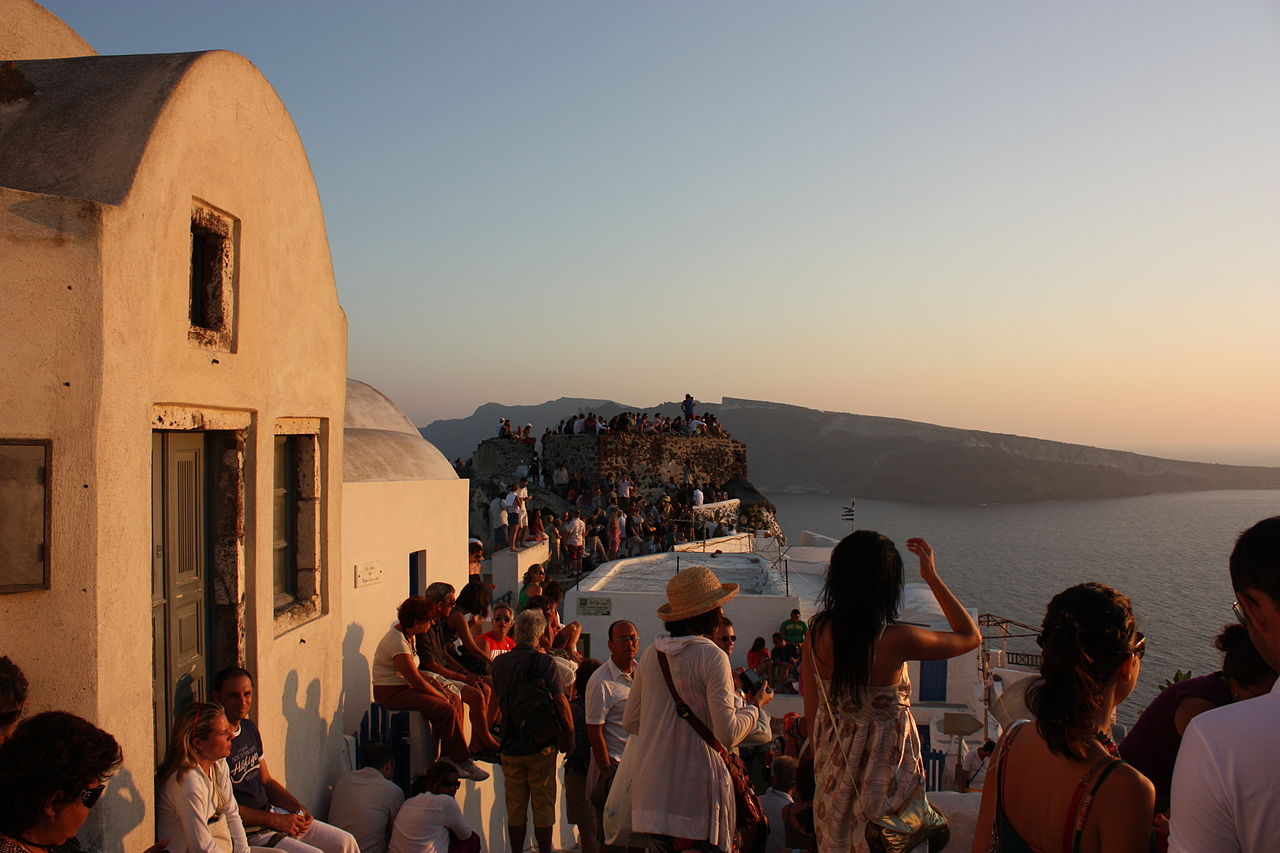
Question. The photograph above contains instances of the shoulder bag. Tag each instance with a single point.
(751, 817)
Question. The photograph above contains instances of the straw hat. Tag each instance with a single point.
(693, 591)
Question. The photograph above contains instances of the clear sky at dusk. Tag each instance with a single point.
(1056, 220)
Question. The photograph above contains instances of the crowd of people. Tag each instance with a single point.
(609, 519)
(654, 742)
(687, 422)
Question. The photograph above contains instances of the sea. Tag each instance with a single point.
(1167, 552)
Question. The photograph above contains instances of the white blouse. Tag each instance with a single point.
(680, 786)
(185, 802)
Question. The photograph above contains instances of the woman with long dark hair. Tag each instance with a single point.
(858, 697)
(1059, 783)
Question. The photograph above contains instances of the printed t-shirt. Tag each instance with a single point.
(245, 763)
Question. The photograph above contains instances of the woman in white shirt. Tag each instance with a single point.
(424, 822)
(681, 789)
(195, 806)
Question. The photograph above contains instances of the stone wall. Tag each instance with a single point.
(651, 460)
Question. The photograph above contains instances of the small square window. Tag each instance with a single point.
(211, 293)
(24, 514)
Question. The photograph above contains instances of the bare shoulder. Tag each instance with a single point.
(1126, 790)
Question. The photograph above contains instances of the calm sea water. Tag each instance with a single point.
(1168, 553)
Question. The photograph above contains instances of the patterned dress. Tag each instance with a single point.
(866, 760)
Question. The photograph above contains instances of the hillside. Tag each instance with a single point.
(794, 449)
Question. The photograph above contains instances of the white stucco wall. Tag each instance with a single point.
(118, 336)
(384, 522)
(30, 31)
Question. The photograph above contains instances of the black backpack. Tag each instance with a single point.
(531, 711)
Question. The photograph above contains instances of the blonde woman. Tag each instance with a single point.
(195, 806)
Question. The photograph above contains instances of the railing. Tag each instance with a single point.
(935, 770)
(1022, 659)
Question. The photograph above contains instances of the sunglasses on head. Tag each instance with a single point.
(89, 796)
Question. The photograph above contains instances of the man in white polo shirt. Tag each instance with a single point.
(607, 693)
(1225, 793)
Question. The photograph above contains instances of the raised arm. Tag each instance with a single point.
(907, 642)
(458, 622)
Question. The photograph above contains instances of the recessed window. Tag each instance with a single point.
(211, 303)
(24, 514)
(297, 521)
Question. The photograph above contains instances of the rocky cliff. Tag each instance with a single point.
(794, 449)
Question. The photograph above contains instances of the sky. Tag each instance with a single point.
(1054, 220)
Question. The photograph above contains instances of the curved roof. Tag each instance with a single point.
(379, 442)
(84, 132)
(30, 31)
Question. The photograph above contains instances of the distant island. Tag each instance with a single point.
(792, 449)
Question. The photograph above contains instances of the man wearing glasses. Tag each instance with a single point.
(607, 693)
(499, 639)
(1225, 796)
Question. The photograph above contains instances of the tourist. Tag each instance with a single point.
(1224, 791)
(529, 742)
(1060, 780)
(13, 697)
(686, 407)
(613, 532)
(973, 770)
(794, 629)
(867, 750)
(606, 703)
(475, 557)
(782, 783)
(797, 818)
(758, 657)
(515, 515)
(431, 821)
(498, 640)
(365, 801)
(1152, 744)
(681, 795)
(498, 521)
(577, 764)
(552, 527)
(438, 664)
(522, 494)
(785, 660)
(573, 535)
(53, 768)
(696, 496)
(196, 809)
(399, 685)
(725, 636)
(266, 806)
(534, 577)
(471, 604)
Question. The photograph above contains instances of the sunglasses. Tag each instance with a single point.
(502, 619)
(89, 796)
(729, 638)
(1140, 645)
(1238, 610)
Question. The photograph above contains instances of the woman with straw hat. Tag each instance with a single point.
(681, 796)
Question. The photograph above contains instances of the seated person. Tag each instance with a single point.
(1152, 744)
(195, 807)
(272, 816)
(365, 801)
(438, 664)
(429, 817)
(498, 639)
(784, 658)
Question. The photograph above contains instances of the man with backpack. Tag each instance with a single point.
(536, 723)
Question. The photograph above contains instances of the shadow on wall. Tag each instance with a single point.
(357, 679)
(305, 732)
(123, 808)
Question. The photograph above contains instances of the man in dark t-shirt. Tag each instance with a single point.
(528, 768)
(272, 816)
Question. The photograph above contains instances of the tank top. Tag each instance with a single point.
(1005, 838)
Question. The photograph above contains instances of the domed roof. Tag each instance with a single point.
(379, 442)
(30, 31)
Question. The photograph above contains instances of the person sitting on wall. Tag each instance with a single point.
(498, 640)
(785, 658)
(365, 801)
(272, 816)
(431, 821)
(438, 665)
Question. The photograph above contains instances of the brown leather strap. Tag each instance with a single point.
(685, 712)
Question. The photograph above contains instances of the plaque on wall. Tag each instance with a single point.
(24, 514)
